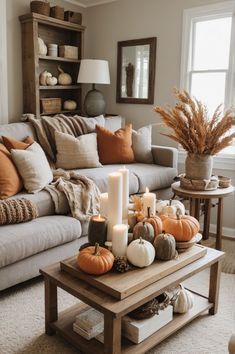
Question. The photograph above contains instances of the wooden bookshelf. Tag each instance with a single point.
(56, 31)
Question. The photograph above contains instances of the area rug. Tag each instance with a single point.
(22, 322)
(228, 265)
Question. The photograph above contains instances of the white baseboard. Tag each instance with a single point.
(227, 231)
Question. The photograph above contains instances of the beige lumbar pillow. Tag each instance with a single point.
(33, 167)
(142, 144)
(80, 152)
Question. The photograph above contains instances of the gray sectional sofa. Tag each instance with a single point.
(26, 247)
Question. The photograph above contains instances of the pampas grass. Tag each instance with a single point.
(193, 129)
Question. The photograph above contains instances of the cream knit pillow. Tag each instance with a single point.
(33, 167)
(80, 152)
(142, 144)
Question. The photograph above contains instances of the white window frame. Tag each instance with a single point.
(190, 16)
(3, 65)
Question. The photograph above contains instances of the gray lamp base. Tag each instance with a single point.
(94, 104)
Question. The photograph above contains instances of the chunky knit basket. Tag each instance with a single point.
(14, 211)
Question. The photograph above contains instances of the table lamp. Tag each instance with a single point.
(93, 71)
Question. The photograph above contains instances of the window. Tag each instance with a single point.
(207, 70)
(208, 55)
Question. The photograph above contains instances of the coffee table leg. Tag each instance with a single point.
(215, 272)
(51, 309)
(219, 224)
(112, 335)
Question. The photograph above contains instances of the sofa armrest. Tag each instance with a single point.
(165, 156)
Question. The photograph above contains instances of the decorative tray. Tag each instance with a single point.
(122, 285)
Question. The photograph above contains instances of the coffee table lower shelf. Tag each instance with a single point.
(64, 327)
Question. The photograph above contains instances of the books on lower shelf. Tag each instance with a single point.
(134, 330)
(89, 323)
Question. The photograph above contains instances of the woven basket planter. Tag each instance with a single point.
(40, 7)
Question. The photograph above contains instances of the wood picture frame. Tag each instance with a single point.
(127, 79)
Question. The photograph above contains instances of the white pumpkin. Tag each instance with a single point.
(70, 105)
(42, 48)
(170, 207)
(183, 302)
(64, 78)
(140, 253)
(51, 80)
(43, 77)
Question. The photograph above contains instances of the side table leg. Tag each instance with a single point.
(215, 272)
(51, 309)
(207, 214)
(219, 224)
(112, 335)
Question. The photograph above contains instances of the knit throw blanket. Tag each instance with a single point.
(82, 194)
(46, 126)
(14, 211)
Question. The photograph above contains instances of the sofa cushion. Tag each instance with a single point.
(12, 143)
(10, 181)
(115, 147)
(24, 240)
(100, 176)
(18, 131)
(42, 200)
(152, 176)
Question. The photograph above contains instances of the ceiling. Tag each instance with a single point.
(89, 3)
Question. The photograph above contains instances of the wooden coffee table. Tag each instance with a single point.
(114, 309)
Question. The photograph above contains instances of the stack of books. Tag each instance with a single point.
(89, 323)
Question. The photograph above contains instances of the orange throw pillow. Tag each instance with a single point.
(11, 143)
(115, 147)
(10, 181)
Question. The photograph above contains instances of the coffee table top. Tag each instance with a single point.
(217, 193)
(118, 308)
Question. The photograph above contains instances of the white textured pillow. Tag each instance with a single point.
(33, 167)
(78, 152)
(141, 144)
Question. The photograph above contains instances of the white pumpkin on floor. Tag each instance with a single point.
(170, 207)
(183, 302)
(140, 253)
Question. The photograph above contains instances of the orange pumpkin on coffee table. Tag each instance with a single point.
(95, 260)
(182, 227)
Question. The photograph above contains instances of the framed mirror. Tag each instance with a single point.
(136, 61)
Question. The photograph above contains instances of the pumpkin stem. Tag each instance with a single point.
(60, 70)
(170, 202)
(141, 240)
(97, 251)
(148, 212)
(178, 214)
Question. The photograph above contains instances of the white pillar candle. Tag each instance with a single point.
(104, 204)
(149, 201)
(114, 201)
(120, 240)
(125, 192)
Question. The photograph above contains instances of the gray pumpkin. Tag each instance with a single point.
(165, 246)
(145, 230)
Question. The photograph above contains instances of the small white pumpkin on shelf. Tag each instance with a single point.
(42, 48)
(140, 253)
(43, 77)
(170, 207)
(183, 301)
(64, 78)
(70, 105)
(51, 80)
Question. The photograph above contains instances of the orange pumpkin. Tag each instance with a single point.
(95, 260)
(156, 222)
(182, 227)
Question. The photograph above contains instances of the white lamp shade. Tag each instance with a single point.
(93, 71)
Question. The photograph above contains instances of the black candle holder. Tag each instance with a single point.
(97, 230)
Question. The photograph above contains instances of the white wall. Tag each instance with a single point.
(15, 8)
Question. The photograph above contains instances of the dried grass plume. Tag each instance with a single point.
(193, 129)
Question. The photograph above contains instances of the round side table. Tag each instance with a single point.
(195, 197)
